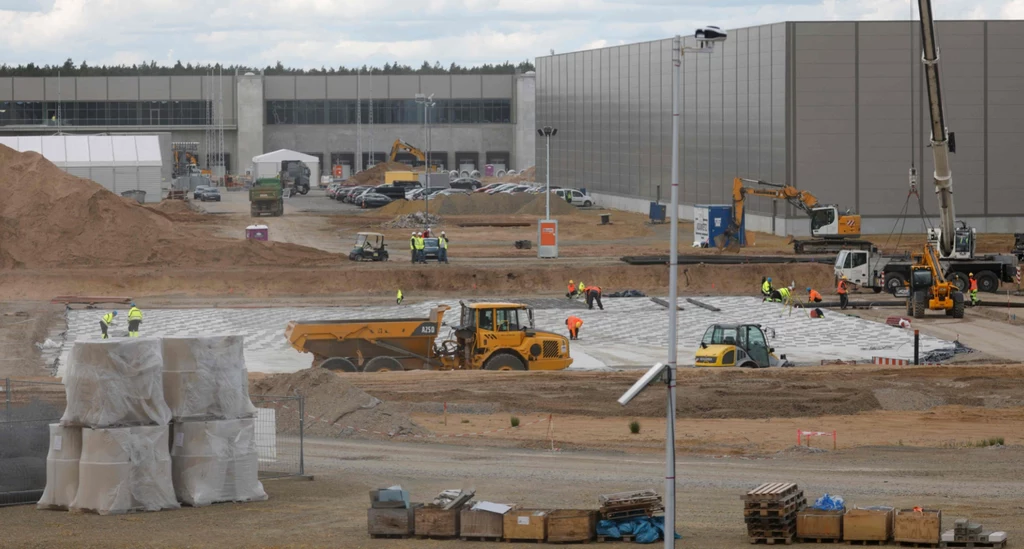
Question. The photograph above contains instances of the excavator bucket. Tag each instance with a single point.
(727, 243)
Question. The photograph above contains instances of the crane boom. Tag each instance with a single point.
(941, 141)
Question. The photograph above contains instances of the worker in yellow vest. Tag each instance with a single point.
(134, 320)
(398, 298)
(106, 322)
(420, 255)
(442, 248)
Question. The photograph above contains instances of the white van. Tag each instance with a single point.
(577, 198)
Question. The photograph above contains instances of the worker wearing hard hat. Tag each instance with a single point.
(974, 289)
(134, 320)
(106, 322)
(412, 246)
(572, 290)
(398, 298)
(813, 295)
(592, 294)
(841, 288)
(766, 287)
(442, 248)
(574, 323)
(581, 287)
(782, 295)
(421, 256)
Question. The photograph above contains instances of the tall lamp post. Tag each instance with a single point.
(706, 38)
(427, 101)
(547, 132)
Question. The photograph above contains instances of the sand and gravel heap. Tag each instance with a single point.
(179, 210)
(54, 219)
(340, 409)
(375, 175)
(482, 204)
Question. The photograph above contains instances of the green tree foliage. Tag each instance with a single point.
(70, 68)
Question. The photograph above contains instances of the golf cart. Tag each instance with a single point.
(742, 345)
(369, 247)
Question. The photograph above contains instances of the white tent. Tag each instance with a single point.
(269, 164)
(120, 163)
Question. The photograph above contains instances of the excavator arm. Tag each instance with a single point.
(801, 199)
(400, 145)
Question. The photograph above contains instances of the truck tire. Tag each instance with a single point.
(987, 281)
(505, 362)
(958, 305)
(920, 304)
(339, 364)
(893, 282)
(383, 364)
(959, 280)
(910, 306)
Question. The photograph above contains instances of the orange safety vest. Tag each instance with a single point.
(590, 289)
(815, 295)
(974, 284)
(574, 323)
(572, 287)
(841, 288)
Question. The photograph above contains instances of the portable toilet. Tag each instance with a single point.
(489, 170)
(257, 232)
(712, 220)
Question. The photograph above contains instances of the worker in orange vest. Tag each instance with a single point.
(841, 289)
(574, 324)
(813, 295)
(572, 290)
(593, 293)
(974, 290)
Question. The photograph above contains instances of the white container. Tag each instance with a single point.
(125, 469)
(61, 467)
(206, 378)
(215, 461)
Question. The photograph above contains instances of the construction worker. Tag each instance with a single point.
(593, 293)
(412, 246)
(106, 322)
(426, 233)
(813, 295)
(398, 299)
(581, 287)
(574, 324)
(420, 254)
(442, 248)
(841, 289)
(572, 290)
(766, 287)
(134, 320)
(974, 289)
(782, 295)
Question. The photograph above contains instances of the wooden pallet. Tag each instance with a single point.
(419, 536)
(391, 536)
(770, 491)
(771, 541)
(772, 533)
(625, 538)
(916, 544)
(819, 540)
(776, 521)
(783, 501)
(866, 542)
(480, 538)
(526, 540)
(776, 510)
(630, 513)
(978, 544)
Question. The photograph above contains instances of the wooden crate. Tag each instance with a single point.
(433, 521)
(526, 524)
(917, 527)
(867, 525)
(572, 525)
(480, 524)
(391, 522)
(815, 523)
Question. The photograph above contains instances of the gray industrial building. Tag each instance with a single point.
(476, 119)
(829, 107)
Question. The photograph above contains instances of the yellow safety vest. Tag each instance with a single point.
(134, 314)
(444, 242)
(419, 242)
(766, 287)
(784, 292)
(108, 319)
(412, 243)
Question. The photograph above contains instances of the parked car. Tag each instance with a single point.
(350, 193)
(577, 198)
(450, 192)
(198, 193)
(517, 189)
(357, 195)
(373, 200)
(332, 189)
(486, 188)
(210, 194)
(430, 248)
(502, 188)
(466, 183)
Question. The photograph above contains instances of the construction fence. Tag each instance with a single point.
(29, 407)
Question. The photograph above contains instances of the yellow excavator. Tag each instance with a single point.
(831, 230)
(399, 146)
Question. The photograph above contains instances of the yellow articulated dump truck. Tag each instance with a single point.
(489, 336)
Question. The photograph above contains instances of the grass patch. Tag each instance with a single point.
(634, 427)
(514, 421)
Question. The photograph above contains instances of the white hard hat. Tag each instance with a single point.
(414, 233)
(442, 232)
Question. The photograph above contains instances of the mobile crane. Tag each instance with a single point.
(832, 230)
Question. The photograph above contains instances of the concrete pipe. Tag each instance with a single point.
(453, 175)
(464, 173)
(475, 174)
(500, 173)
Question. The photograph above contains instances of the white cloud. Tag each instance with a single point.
(314, 33)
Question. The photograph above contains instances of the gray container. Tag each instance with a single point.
(138, 196)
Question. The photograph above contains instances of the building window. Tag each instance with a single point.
(191, 113)
(26, 112)
(124, 113)
(280, 112)
(309, 112)
(340, 111)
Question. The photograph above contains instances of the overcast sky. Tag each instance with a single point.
(312, 33)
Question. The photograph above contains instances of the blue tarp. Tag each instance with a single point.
(830, 503)
(643, 529)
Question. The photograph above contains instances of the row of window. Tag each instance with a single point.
(389, 111)
(106, 113)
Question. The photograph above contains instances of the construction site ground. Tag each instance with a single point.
(907, 436)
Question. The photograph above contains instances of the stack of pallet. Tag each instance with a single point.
(770, 512)
(623, 505)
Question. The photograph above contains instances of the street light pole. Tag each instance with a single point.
(546, 132)
(428, 101)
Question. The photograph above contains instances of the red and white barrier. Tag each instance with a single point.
(806, 436)
(890, 361)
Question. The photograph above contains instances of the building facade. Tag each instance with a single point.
(835, 108)
(475, 119)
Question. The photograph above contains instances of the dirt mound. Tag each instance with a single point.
(481, 204)
(375, 175)
(178, 210)
(54, 219)
(341, 410)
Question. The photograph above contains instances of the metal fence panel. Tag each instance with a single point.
(29, 408)
(280, 425)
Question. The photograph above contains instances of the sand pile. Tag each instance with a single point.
(53, 219)
(178, 210)
(375, 175)
(481, 204)
(340, 409)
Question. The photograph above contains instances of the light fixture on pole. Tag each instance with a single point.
(706, 38)
(547, 228)
(427, 101)
(547, 132)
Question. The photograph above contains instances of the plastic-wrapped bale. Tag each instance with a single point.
(216, 461)
(115, 383)
(62, 467)
(125, 469)
(205, 378)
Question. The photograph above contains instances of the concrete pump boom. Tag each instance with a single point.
(942, 141)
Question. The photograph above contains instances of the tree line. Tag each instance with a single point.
(70, 68)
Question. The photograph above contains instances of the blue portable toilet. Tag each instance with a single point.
(657, 213)
(711, 220)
